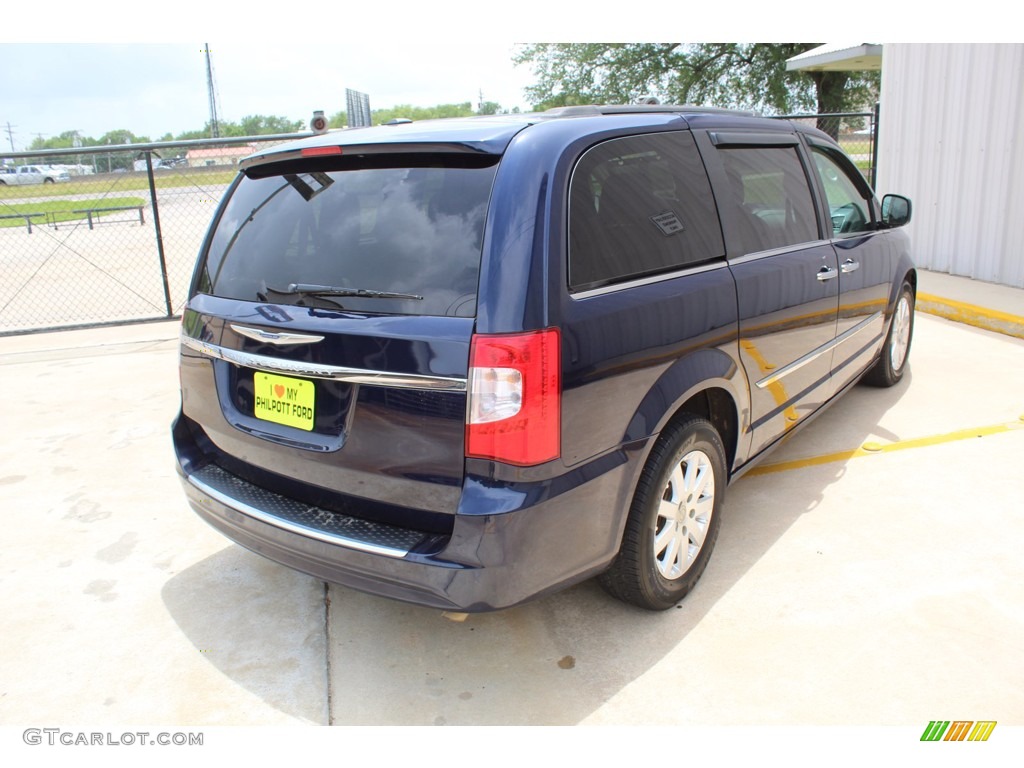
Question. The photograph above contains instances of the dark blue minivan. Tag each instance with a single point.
(466, 363)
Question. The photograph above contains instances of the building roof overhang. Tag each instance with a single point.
(838, 57)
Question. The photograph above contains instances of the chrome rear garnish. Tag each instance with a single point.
(323, 371)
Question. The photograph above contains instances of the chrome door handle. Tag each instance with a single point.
(827, 273)
(850, 265)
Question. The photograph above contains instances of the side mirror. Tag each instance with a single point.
(895, 211)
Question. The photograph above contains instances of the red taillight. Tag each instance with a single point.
(318, 151)
(515, 397)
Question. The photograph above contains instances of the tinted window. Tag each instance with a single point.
(411, 230)
(848, 209)
(639, 206)
(770, 197)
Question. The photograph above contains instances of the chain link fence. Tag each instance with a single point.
(114, 236)
(117, 241)
(856, 132)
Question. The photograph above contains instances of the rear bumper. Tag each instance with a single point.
(510, 542)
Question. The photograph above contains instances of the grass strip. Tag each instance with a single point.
(120, 182)
(50, 211)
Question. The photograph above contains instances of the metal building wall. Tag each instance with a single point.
(952, 140)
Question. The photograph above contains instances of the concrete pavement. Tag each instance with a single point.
(884, 588)
(117, 608)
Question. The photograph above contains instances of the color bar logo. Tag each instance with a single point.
(958, 730)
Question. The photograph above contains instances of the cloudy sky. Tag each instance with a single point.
(155, 88)
(118, 66)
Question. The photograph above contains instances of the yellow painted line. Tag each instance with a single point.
(970, 314)
(873, 449)
(777, 390)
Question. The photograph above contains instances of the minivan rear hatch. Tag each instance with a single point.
(325, 345)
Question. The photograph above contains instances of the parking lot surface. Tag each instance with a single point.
(868, 573)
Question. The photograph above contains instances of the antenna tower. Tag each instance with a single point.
(214, 125)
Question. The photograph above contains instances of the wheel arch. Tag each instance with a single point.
(717, 406)
(904, 268)
(911, 277)
(905, 272)
(709, 384)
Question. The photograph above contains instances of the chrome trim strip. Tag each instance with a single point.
(302, 530)
(718, 263)
(331, 372)
(257, 334)
(757, 255)
(798, 364)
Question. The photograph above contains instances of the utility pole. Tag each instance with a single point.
(214, 125)
(10, 134)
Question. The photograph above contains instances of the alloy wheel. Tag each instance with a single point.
(900, 334)
(684, 515)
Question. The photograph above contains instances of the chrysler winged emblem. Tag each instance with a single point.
(271, 337)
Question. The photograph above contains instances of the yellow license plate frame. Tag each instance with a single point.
(284, 400)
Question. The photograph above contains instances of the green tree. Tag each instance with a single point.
(740, 75)
(250, 125)
(63, 141)
(203, 133)
(381, 116)
(115, 160)
(262, 125)
(121, 136)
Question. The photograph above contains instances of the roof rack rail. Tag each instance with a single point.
(625, 109)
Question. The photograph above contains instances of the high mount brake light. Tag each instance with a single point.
(319, 151)
(515, 397)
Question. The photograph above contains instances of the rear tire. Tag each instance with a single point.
(892, 363)
(674, 518)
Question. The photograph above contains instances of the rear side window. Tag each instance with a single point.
(411, 230)
(770, 196)
(639, 206)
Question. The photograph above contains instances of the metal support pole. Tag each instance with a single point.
(159, 233)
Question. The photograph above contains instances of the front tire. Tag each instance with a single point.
(47, 181)
(889, 368)
(674, 518)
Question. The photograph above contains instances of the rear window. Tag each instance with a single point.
(414, 230)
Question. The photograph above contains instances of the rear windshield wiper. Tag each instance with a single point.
(310, 289)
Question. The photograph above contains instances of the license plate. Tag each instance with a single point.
(284, 400)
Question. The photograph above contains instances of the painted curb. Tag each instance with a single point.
(969, 314)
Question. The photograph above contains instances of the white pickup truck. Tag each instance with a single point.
(32, 174)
